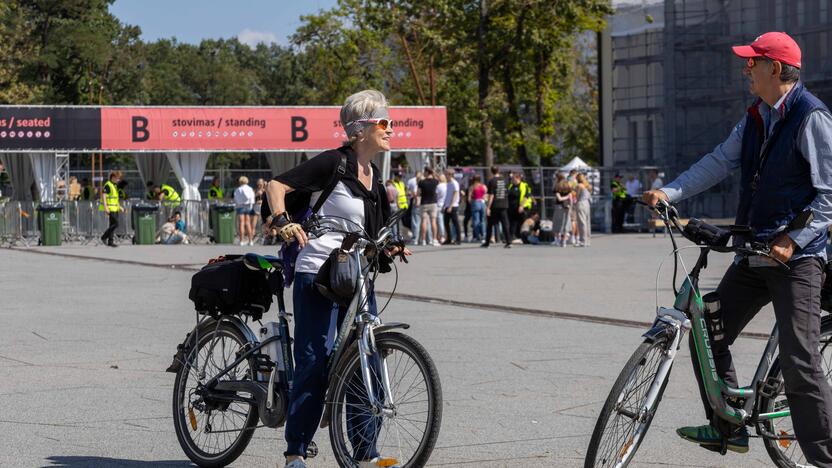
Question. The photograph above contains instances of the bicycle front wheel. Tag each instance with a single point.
(624, 420)
(407, 428)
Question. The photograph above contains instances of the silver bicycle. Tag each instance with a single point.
(383, 395)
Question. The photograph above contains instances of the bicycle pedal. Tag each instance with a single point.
(262, 362)
(312, 450)
(770, 387)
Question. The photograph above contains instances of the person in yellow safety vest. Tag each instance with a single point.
(520, 203)
(619, 203)
(401, 201)
(215, 192)
(110, 204)
(122, 194)
(87, 190)
(151, 191)
(168, 196)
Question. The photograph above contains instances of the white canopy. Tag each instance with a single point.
(576, 163)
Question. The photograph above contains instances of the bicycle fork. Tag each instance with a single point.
(668, 321)
(366, 349)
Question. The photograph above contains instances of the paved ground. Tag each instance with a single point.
(84, 343)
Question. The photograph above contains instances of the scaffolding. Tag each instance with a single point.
(678, 90)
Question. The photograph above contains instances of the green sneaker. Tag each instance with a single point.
(707, 436)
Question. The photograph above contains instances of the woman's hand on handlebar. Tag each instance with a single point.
(652, 197)
(401, 251)
(293, 231)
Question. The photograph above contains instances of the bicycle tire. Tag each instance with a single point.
(597, 453)
(181, 420)
(386, 343)
(787, 453)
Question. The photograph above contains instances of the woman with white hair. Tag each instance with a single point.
(244, 204)
(361, 198)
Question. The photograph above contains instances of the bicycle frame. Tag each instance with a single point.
(689, 302)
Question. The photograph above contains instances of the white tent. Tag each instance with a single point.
(577, 164)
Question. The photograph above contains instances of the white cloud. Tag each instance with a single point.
(251, 38)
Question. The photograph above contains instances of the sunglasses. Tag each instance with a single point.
(383, 124)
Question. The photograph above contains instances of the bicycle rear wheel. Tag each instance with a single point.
(623, 423)
(408, 431)
(212, 433)
(786, 453)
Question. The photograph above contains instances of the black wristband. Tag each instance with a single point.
(281, 220)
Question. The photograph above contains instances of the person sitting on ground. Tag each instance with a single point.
(180, 223)
(169, 234)
(530, 229)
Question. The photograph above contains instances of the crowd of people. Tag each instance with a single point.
(502, 209)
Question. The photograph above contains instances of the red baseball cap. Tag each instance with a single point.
(773, 45)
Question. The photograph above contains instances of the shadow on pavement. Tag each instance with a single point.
(90, 462)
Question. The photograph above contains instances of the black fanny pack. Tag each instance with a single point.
(337, 279)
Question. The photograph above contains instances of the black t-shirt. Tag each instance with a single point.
(428, 188)
(497, 188)
(315, 174)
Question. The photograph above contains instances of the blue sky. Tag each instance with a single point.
(193, 20)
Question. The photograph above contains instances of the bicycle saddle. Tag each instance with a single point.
(262, 262)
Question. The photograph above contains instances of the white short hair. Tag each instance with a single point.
(367, 104)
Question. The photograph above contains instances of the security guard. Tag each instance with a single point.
(111, 205)
(401, 201)
(520, 202)
(619, 203)
(122, 193)
(168, 196)
(151, 191)
(215, 192)
(87, 190)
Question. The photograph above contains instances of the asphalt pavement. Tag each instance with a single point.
(88, 331)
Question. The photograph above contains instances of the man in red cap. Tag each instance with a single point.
(783, 150)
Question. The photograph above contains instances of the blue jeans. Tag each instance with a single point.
(415, 220)
(316, 325)
(478, 218)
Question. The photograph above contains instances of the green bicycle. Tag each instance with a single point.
(634, 399)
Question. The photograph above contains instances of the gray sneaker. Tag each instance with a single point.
(296, 463)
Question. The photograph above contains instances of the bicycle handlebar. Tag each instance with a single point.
(318, 226)
(714, 237)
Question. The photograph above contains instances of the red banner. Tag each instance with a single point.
(256, 128)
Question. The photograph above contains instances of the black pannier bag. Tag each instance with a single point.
(229, 287)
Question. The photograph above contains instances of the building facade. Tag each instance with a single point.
(677, 89)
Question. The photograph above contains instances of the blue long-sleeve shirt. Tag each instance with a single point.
(815, 143)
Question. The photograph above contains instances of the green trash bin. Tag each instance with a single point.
(222, 222)
(50, 224)
(144, 223)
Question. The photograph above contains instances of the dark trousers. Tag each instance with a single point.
(498, 215)
(316, 324)
(452, 218)
(619, 208)
(466, 218)
(515, 220)
(795, 295)
(107, 237)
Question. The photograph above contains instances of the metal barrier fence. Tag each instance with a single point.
(84, 222)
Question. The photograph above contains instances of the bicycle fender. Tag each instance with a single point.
(206, 326)
(659, 330)
(390, 326)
